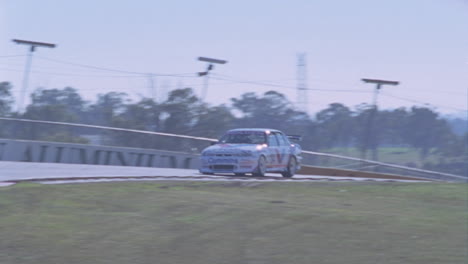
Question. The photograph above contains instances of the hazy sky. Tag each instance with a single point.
(421, 43)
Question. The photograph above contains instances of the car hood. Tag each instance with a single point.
(231, 147)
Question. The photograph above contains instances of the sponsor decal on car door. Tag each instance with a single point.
(285, 150)
(277, 152)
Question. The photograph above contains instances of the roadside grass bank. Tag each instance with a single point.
(234, 222)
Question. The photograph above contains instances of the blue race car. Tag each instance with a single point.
(256, 151)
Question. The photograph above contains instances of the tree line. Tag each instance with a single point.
(336, 127)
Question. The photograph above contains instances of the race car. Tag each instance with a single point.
(252, 150)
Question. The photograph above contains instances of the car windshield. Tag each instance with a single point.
(244, 137)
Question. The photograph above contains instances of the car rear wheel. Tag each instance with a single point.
(290, 169)
(261, 167)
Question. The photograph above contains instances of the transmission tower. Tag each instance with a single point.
(151, 86)
(302, 101)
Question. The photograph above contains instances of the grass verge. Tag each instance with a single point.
(232, 222)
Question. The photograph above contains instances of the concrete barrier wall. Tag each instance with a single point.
(39, 151)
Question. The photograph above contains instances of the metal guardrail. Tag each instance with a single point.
(382, 167)
(107, 128)
(314, 159)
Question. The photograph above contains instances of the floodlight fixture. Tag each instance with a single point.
(210, 67)
(211, 60)
(33, 45)
(380, 82)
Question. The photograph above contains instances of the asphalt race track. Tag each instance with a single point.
(13, 172)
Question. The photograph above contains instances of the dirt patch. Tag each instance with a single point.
(5, 184)
(277, 202)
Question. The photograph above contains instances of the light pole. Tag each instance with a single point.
(206, 73)
(370, 121)
(33, 45)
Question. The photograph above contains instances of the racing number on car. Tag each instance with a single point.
(283, 150)
(279, 149)
(279, 156)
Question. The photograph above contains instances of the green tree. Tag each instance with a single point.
(424, 130)
(272, 110)
(60, 105)
(365, 136)
(68, 97)
(143, 115)
(213, 121)
(390, 126)
(179, 115)
(335, 125)
(181, 111)
(106, 108)
(6, 99)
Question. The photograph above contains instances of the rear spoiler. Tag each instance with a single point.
(294, 137)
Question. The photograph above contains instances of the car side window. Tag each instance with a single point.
(272, 141)
(282, 140)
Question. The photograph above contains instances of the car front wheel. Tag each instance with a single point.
(291, 169)
(261, 167)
